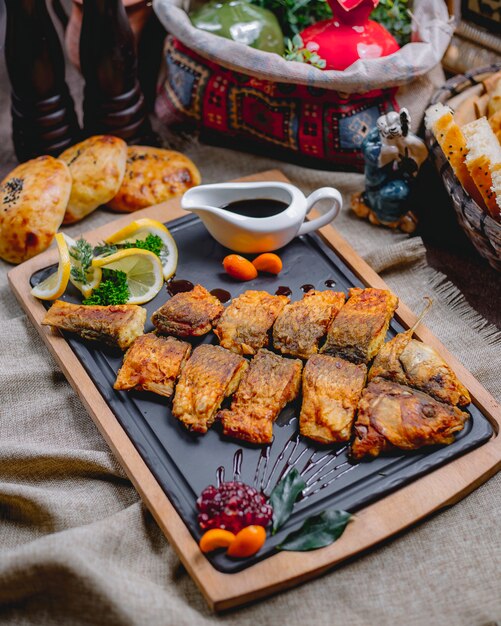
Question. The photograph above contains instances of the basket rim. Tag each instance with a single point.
(452, 87)
(400, 68)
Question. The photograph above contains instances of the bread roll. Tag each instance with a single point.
(97, 167)
(33, 199)
(494, 103)
(483, 160)
(153, 175)
(495, 123)
(440, 121)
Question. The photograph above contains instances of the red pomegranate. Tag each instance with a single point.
(350, 35)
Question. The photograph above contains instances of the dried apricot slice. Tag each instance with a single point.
(216, 538)
(268, 262)
(247, 542)
(239, 268)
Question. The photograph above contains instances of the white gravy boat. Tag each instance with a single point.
(258, 234)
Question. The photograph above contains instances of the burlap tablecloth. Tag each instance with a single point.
(78, 547)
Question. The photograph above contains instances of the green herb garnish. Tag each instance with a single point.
(283, 497)
(82, 253)
(113, 289)
(153, 243)
(296, 51)
(317, 531)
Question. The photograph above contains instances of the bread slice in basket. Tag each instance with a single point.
(483, 160)
(440, 121)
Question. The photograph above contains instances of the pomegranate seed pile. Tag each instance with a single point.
(232, 506)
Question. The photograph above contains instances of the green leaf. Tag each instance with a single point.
(113, 289)
(105, 249)
(283, 496)
(81, 252)
(317, 531)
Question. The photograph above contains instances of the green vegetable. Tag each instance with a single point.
(241, 21)
(153, 243)
(317, 531)
(295, 15)
(394, 15)
(113, 289)
(283, 497)
(82, 253)
(295, 51)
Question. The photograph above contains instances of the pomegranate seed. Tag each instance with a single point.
(232, 506)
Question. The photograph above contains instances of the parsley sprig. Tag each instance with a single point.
(113, 289)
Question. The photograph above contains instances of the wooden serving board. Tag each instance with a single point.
(374, 523)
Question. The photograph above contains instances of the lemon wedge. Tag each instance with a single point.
(142, 268)
(55, 285)
(93, 274)
(140, 229)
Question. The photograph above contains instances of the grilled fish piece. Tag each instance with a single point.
(188, 314)
(410, 362)
(392, 416)
(208, 377)
(116, 325)
(244, 325)
(153, 363)
(331, 391)
(266, 387)
(359, 329)
(302, 324)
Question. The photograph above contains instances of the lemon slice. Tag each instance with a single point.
(140, 229)
(93, 274)
(55, 285)
(143, 269)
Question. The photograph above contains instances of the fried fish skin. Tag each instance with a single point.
(302, 324)
(267, 386)
(359, 329)
(243, 328)
(115, 325)
(153, 363)
(392, 416)
(211, 374)
(188, 314)
(410, 362)
(331, 391)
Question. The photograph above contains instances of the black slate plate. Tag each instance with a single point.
(184, 464)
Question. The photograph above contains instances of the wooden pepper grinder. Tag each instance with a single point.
(43, 115)
(113, 101)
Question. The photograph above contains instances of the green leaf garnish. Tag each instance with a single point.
(283, 497)
(82, 253)
(317, 531)
(113, 289)
(153, 243)
(105, 249)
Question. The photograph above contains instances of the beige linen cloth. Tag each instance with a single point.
(78, 547)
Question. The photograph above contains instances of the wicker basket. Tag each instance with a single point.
(481, 229)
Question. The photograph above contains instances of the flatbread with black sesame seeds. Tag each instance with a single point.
(33, 199)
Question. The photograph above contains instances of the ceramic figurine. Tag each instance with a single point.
(350, 35)
(393, 156)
